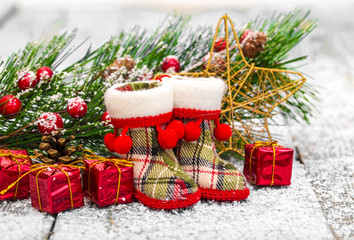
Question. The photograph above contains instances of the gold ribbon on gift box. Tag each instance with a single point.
(42, 167)
(258, 144)
(89, 155)
(13, 157)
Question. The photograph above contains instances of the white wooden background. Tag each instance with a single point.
(319, 203)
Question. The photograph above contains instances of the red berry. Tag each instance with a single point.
(192, 132)
(220, 44)
(106, 118)
(77, 107)
(222, 132)
(45, 74)
(109, 140)
(171, 63)
(178, 127)
(122, 144)
(49, 122)
(26, 80)
(245, 34)
(9, 105)
(167, 139)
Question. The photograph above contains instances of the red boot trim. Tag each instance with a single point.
(190, 200)
(194, 113)
(141, 121)
(225, 195)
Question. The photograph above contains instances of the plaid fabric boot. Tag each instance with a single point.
(197, 102)
(139, 112)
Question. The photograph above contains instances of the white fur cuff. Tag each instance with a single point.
(197, 93)
(141, 103)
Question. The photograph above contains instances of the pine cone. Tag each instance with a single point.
(126, 61)
(48, 139)
(80, 148)
(44, 146)
(55, 149)
(38, 154)
(65, 159)
(253, 44)
(70, 150)
(53, 154)
(47, 160)
(62, 142)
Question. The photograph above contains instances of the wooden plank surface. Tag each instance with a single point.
(18, 220)
(327, 149)
(269, 213)
(291, 212)
(327, 144)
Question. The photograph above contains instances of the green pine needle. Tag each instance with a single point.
(84, 78)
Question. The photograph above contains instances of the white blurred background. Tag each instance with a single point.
(25, 20)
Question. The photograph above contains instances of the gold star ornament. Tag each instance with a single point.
(255, 94)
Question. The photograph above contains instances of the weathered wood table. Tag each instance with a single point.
(319, 203)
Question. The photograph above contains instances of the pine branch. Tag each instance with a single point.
(84, 78)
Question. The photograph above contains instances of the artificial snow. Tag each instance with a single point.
(294, 212)
(327, 147)
(44, 75)
(269, 213)
(76, 103)
(18, 220)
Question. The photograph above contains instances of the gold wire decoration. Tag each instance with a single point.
(253, 95)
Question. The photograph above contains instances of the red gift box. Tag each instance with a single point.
(270, 165)
(13, 164)
(55, 188)
(108, 181)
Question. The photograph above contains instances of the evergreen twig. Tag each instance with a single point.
(84, 78)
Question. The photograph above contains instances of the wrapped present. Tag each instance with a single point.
(108, 181)
(55, 188)
(13, 164)
(267, 163)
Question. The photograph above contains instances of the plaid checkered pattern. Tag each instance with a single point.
(157, 173)
(200, 160)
